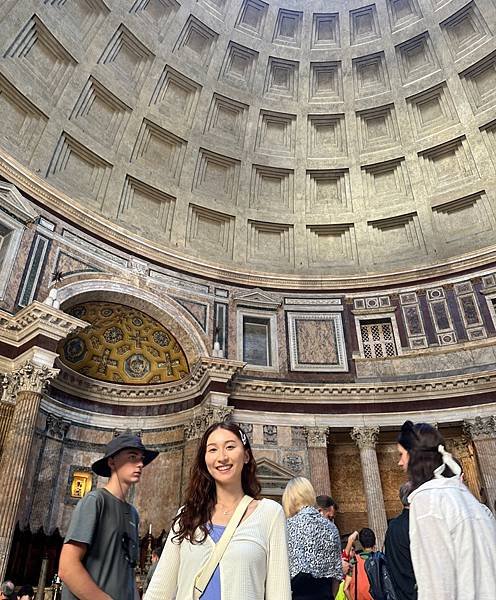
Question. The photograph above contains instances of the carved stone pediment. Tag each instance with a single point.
(14, 203)
(273, 477)
(257, 298)
(269, 468)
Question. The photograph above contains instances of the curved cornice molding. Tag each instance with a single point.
(265, 391)
(63, 205)
(204, 372)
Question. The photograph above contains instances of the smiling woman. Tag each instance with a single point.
(254, 566)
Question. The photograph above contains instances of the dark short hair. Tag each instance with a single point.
(366, 537)
(26, 590)
(326, 502)
(157, 551)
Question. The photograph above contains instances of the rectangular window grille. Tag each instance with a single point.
(377, 339)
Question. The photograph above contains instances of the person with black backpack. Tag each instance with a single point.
(370, 578)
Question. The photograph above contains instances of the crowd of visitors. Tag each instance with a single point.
(227, 543)
(7, 592)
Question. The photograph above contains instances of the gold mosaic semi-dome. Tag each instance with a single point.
(122, 345)
(299, 138)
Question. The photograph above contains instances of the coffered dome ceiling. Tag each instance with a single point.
(122, 345)
(306, 138)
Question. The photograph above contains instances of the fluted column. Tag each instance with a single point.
(483, 434)
(366, 440)
(24, 388)
(5, 419)
(318, 460)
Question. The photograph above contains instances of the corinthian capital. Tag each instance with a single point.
(365, 437)
(29, 378)
(316, 436)
(209, 414)
(480, 427)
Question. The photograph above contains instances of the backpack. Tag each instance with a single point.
(360, 586)
(381, 586)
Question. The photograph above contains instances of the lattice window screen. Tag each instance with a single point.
(377, 339)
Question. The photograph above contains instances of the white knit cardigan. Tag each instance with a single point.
(254, 566)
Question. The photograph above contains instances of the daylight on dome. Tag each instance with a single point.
(248, 299)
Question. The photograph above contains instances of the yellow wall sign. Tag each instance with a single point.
(81, 484)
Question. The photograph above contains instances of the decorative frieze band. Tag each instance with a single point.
(205, 369)
(208, 415)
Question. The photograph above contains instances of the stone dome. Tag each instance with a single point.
(280, 141)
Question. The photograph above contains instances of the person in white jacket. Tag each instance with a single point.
(255, 564)
(452, 535)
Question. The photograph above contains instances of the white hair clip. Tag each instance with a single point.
(243, 437)
(448, 461)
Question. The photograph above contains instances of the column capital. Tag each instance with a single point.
(316, 436)
(480, 427)
(28, 378)
(365, 437)
(206, 416)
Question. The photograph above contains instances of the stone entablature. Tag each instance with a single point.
(34, 320)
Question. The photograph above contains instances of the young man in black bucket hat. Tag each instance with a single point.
(101, 548)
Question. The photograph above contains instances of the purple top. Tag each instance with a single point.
(212, 591)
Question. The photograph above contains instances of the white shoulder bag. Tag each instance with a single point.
(205, 574)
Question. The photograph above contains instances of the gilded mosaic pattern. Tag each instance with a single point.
(123, 345)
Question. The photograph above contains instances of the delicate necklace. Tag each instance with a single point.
(231, 511)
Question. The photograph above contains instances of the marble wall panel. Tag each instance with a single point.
(347, 487)
(392, 477)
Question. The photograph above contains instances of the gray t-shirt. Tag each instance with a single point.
(109, 527)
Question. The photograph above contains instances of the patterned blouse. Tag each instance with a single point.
(314, 545)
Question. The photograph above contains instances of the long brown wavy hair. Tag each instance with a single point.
(193, 520)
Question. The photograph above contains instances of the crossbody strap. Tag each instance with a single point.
(204, 576)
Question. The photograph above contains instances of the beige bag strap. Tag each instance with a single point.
(204, 576)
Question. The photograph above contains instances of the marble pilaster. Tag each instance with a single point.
(482, 431)
(46, 483)
(24, 388)
(318, 460)
(366, 440)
